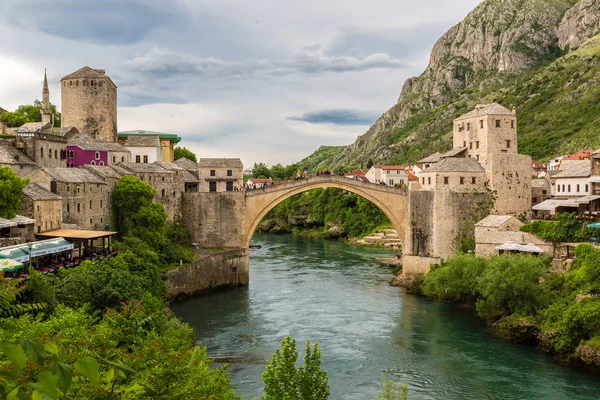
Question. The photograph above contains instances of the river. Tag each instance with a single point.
(334, 293)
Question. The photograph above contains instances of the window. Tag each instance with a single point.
(100, 83)
(122, 159)
(85, 82)
(68, 207)
(70, 83)
(471, 145)
(587, 188)
(71, 154)
(468, 126)
(90, 204)
(41, 152)
(229, 172)
(137, 159)
(38, 207)
(473, 180)
(477, 144)
(465, 143)
(76, 83)
(78, 207)
(446, 180)
(512, 124)
(93, 162)
(145, 159)
(91, 221)
(163, 178)
(56, 154)
(428, 180)
(114, 159)
(229, 186)
(462, 180)
(49, 153)
(101, 220)
(544, 192)
(101, 163)
(424, 180)
(477, 157)
(558, 187)
(391, 182)
(569, 188)
(72, 165)
(97, 155)
(100, 203)
(213, 172)
(68, 188)
(163, 192)
(577, 188)
(497, 123)
(481, 123)
(508, 144)
(212, 186)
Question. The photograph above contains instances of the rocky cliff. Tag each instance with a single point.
(500, 44)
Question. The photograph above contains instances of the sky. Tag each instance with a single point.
(263, 80)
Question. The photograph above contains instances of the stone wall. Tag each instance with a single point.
(91, 109)
(221, 177)
(215, 219)
(419, 229)
(510, 178)
(47, 214)
(45, 149)
(222, 270)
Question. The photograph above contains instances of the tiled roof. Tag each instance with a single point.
(413, 178)
(73, 175)
(260, 180)
(186, 163)
(454, 152)
(142, 141)
(12, 156)
(36, 192)
(392, 167)
(143, 167)
(33, 127)
(431, 159)
(540, 183)
(85, 142)
(189, 177)
(221, 162)
(494, 221)
(486, 109)
(576, 169)
(106, 171)
(120, 170)
(87, 72)
(169, 166)
(463, 164)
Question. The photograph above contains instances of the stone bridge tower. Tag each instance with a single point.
(89, 103)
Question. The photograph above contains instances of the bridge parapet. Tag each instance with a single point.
(323, 180)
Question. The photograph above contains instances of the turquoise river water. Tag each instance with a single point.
(336, 294)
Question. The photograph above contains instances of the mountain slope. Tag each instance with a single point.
(503, 51)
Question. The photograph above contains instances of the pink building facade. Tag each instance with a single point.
(76, 157)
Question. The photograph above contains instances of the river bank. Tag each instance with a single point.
(522, 301)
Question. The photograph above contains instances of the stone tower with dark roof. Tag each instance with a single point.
(46, 111)
(89, 103)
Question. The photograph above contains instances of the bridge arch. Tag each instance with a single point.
(391, 201)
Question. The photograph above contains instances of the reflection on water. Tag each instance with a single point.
(334, 293)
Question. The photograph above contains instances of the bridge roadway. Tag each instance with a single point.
(392, 201)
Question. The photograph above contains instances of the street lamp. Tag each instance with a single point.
(29, 246)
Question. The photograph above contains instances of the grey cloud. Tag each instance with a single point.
(337, 117)
(103, 22)
(135, 99)
(164, 63)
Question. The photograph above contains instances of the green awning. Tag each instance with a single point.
(8, 265)
(17, 253)
(51, 246)
(595, 225)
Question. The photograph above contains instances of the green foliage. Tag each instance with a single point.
(566, 228)
(182, 152)
(261, 171)
(393, 391)
(11, 192)
(28, 113)
(10, 291)
(454, 280)
(131, 194)
(283, 381)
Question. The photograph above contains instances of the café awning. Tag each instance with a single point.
(587, 199)
(17, 253)
(8, 265)
(51, 246)
(552, 204)
(521, 248)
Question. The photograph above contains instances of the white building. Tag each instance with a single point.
(144, 149)
(389, 175)
(554, 164)
(574, 181)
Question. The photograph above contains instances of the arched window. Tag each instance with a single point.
(163, 192)
(71, 154)
(97, 155)
(56, 154)
(42, 152)
(78, 207)
(114, 159)
(101, 163)
(49, 153)
(68, 208)
(163, 178)
(122, 159)
(71, 165)
(90, 204)
(93, 162)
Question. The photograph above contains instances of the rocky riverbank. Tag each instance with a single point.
(387, 238)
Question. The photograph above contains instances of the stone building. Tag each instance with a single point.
(110, 175)
(190, 176)
(456, 174)
(573, 180)
(43, 206)
(82, 149)
(16, 160)
(85, 196)
(139, 142)
(89, 103)
(220, 174)
(540, 191)
(45, 149)
(169, 186)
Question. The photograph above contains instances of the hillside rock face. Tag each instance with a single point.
(499, 39)
(579, 23)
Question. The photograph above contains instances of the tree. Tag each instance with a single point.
(131, 194)
(369, 164)
(28, 113)
(278, 173)
(393, 391)
(11, 192)
(261, 170)
(283, 381)
(183, 152)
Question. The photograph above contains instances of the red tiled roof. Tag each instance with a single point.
(581, 155)
(392, 167)
(261, 180)
(412, 178)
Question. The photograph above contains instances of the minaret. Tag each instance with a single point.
(46, 111)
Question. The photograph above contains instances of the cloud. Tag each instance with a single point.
(104, 22)
(337, 117)
(164, 63)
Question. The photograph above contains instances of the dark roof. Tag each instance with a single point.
(463, 164)
(189, 177)
(431, 159)
(36, 192)
(142, 141)
(576, 169)
(143, 167)
(12, 156)
(107, 171)
(169, 166)
(221, 162)
(454, 152)
(73, 175)
(87, 72)
(186, 163)
(543, 183)
(85, 142)
(486, 109)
